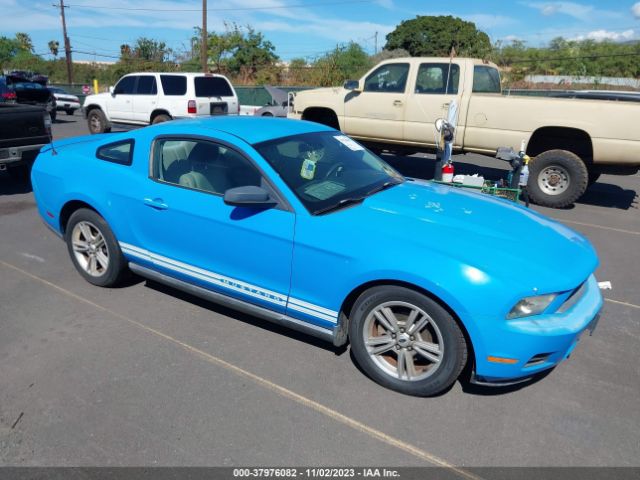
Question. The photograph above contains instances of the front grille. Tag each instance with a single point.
(573, 298)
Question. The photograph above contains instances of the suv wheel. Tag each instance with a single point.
(160, 118)
(97, 121)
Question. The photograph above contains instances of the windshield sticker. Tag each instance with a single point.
(348, 143)
(324, 190)
(308, 169)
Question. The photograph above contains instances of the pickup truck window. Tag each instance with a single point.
(486, 80)
(118, 152)
(147, 85)
(125, 86)
(174, 84)
(432, 78)
(390, 78)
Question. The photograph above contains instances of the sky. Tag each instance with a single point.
(306, 28)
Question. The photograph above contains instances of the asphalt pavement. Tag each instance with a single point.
(144, 375)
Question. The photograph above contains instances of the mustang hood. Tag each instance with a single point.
(497, 237)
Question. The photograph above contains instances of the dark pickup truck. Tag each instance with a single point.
(24, 129)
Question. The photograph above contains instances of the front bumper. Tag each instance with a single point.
(518, 349)
(64, 105)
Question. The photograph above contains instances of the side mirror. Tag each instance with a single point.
(249, 196)
(353, 85)
(112, 91)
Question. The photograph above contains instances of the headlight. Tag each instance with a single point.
(531, 306)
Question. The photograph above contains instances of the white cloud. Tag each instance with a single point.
(602, 35)
(576, 10)
(636, 10)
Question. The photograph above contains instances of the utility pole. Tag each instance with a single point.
(376, 42)
(203, 47)
(67, 44)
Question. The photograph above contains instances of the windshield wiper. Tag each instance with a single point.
(384, 186)
(345, 202)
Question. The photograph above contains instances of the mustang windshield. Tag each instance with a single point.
(327, 170)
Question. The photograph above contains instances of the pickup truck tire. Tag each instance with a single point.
(557, 178)
(406, 341)
(160, 118)
(70, 111)
(93, 249)
(97, 122)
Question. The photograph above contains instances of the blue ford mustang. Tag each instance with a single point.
(300, 225)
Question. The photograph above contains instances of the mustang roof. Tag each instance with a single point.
(251, 129)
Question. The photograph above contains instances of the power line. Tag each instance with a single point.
(231, 9)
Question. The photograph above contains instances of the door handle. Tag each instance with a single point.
(397, 103)
(156, 203)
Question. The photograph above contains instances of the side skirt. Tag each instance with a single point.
(274, 317)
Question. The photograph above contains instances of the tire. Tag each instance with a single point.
(94, 250)
(160, 118)
(267, 114)
(71, 111)
(557, 178)
(594, 176)
(53, 115)
(433, 372)
(97, 121)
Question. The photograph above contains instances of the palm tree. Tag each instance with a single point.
(24, 40)
(54, 46)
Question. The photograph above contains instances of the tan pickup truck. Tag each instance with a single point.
(394, 106)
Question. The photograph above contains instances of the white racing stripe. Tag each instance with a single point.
(231, 283)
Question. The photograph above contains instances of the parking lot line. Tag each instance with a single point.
(263, 382)
(592, 225)
(618, 302)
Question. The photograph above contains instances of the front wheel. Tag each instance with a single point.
(557, 178)
(94, 250)
(97, 121)
(406, 341)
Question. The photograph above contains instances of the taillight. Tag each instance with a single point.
(8, 96)
(191, 107)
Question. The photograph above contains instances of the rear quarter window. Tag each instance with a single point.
(486, 80)
(174, 84)
(117, 152)
(212, 87)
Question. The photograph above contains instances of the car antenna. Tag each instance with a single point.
(53, 148)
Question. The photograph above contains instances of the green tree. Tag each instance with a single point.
(8, 49)
(151, 50)
(24, 40)
(342, 63)
(426, 36)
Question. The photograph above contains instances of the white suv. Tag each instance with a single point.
(146, 98)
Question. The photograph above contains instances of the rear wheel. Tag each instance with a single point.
(160, 118)
(97, 121)
(406, 341)
(267, 114)
(70, 111)
(557, 178)
(93, 249)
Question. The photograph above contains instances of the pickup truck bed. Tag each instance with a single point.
(24, 129)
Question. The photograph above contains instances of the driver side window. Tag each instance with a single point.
(202, 165)
(125, 86)
(390, 78)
